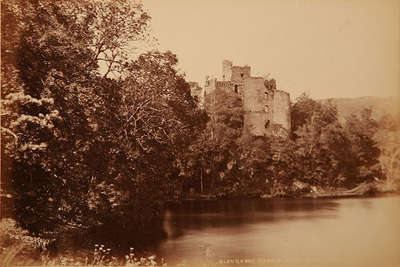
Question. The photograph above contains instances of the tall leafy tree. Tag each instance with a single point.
(86, 128)
(145, 140)
(360, 130)
(217, 146)
(388, 138)
(314, 126)
(309, 111)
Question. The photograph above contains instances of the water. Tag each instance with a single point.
(312, 232)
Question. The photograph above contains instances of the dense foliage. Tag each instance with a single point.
(388, 138)
(90, 137)
(216, 147)
(322, 153)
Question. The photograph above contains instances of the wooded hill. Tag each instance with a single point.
(380, 105)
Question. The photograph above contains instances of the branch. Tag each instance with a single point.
(10, 133)
(112, 61)
(99, 51)
(141, 106)
(109, 60)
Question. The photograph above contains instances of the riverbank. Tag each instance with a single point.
(362, 190)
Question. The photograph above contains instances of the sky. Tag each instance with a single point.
(325, 48)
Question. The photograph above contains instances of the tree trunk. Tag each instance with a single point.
(201, 180)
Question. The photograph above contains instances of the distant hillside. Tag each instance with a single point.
(379, 105)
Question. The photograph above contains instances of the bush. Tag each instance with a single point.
(17, 246)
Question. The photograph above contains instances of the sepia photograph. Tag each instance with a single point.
(200, 133)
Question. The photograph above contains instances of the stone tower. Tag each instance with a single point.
(255, 116)
(226, 70)
(267, 110)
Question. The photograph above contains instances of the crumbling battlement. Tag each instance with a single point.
(225, 85)
(267, 110)
(239, 74)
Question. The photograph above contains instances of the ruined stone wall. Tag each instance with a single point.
(281, 109)
(239, 74)
(224, 85)
(226, 70)
(267, 112)
(255, 116)
(209, 85)
(253, 96)
(269, 105)
(198, 92)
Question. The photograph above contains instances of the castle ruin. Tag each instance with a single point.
(267, 110)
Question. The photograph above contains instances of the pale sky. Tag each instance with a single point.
(327, 48)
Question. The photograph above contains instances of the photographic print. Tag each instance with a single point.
(200, 133)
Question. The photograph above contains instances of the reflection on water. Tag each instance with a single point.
(342, 232)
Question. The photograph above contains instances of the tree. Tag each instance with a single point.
(216, 147)
(309, 111)
(333, 154)
(319, 141)
(85, 139)
(364, 164)
(145, 141)
(41, 78)
(388, 138)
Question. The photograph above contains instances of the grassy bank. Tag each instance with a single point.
(19, 248)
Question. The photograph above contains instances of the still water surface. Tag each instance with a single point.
(308, 232)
